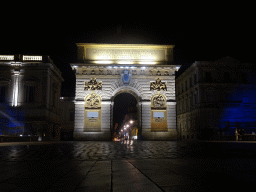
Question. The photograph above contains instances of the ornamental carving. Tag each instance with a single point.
(158, 85)
(93, 101)
(158, 101)
(93, 85)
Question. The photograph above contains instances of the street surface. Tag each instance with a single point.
(118, 166)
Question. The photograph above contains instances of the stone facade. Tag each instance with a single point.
(30, 90)
(214, 98)
(123, 70)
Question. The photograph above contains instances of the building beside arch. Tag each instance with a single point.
(30, 87)
(103, 71)
(214, 98)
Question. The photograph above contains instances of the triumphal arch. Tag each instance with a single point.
(103, 71)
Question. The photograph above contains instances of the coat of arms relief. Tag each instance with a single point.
(158, 101)
(93, 85)
(92, 100)
(158, 85)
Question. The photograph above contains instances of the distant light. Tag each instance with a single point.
(131, 122)
(147, 62)
(103, 62)
(32, 58)
(177, 68)
(21, 135)
(7, 57)
(134, 137)
(125, 62)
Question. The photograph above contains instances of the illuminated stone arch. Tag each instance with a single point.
(126, 89)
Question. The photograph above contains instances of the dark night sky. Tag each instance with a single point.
(198, 34)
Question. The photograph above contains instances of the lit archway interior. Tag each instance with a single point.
(124, 104)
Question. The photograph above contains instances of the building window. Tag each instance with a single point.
(195, 99)
(2, 93)
(208, 77)
(30, 93)
(191, 101)
(186, 85)
(227, 77)
(195, 79)
(190, 82)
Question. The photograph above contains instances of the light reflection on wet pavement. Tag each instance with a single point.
(118, 166)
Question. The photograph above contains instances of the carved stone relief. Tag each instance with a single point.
(158, 73)
(92, 100)
(158, 101)
(101, 72)
(109, 72)
(166, 73)
(93, 85)
(126, 77)
(158, 85)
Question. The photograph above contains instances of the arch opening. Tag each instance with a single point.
(125, 109)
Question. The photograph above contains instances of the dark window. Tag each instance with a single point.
(227, 77)
(186, 85)
(190, 81)
(195, 99)
(30, 93)
(208, 77)
(2, 93)
(195, 79)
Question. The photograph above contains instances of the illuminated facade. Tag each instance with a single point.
(145, 71)
(215, 98)
(29, 97)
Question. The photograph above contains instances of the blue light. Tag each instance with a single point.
(238, 110)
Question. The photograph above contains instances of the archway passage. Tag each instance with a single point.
(125, 108)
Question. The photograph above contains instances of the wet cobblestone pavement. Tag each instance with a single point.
(116, 166)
